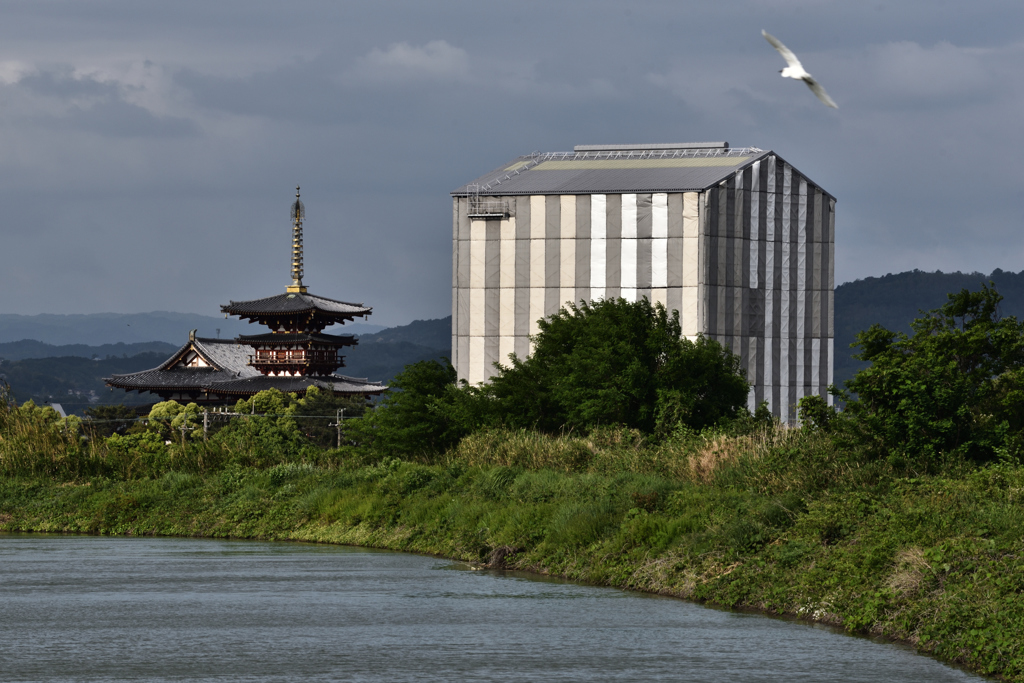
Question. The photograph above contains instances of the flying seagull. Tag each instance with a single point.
(796, 70)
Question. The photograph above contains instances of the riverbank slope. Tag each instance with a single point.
(778, 523)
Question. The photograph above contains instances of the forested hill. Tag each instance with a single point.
(894, 300)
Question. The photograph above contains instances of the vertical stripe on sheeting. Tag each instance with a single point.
(583, 243)
(507, 304)
(707, 268)
(674, 243)
(613, 227)
(773, 272)
(598, 250)
(456, 284)
(755, 218)
(644, 249)
(567, 245)
(644, 230)
(492, 296)
(628, 225)
(492, 349)
(628, 248)
(784, 334)
(644, 218)
(537, 262)
(691, 266)
(522, 287)
(524, 226)
(476, 360)
(536, 309)
(506, 346)
(552, 253)
(538, 214)
(463, 354)
(831, 362)
(507, 251)
(816, 384)
(659, 263)
(801, 369)
(477, 311)
(522, 346)
(492, 254)
(659, 243)
(628, 291)
(801, 237)
(507, 281)
(659, 215)
(523, 221)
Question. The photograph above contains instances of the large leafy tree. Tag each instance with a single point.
(618, 362)
(956, 386)
(612, 362)
(414, 416)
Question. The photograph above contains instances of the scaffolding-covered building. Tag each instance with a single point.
(736, 239)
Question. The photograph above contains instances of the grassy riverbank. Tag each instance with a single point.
(780, 521)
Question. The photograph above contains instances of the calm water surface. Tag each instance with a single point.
(92, 608)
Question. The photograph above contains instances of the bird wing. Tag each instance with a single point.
(786, 53)
(819, 92)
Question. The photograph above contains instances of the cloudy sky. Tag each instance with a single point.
(150, 150)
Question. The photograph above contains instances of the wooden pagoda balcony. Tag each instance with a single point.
(322, 361)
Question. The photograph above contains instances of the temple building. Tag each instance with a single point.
(736, 240)
(293, 356)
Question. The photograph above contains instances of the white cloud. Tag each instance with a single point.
(401, 62)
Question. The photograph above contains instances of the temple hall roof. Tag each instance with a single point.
(218, 368)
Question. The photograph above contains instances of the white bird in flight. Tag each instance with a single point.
(796, 70)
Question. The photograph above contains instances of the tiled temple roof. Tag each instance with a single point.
(228, 375)
(296, 303)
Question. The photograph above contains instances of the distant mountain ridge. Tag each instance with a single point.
(893, 300)
(30, 348)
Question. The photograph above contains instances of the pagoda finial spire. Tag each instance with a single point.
(298, 213)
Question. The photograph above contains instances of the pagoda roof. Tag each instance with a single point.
(295, 303)
(227, 373)
(288, 338)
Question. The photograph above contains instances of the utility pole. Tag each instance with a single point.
(206, 420)
(339, 416)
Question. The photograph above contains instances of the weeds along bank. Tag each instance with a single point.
(778, 520)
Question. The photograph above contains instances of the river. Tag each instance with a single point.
(163, 609)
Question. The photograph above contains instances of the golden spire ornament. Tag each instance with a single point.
(298, 214)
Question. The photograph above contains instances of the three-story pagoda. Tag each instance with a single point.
(293, 356)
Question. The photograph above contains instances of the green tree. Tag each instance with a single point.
(417, 414)
(954, 387)
(619, 362)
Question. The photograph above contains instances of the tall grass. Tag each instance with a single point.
(698, 458)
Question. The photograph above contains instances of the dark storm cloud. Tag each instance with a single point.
(150, 149)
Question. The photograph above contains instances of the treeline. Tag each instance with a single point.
(949, 392)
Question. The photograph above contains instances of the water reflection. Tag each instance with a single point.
(90, 608)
